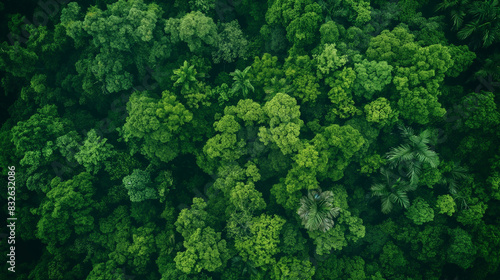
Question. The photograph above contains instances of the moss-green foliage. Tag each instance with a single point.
(266, 139)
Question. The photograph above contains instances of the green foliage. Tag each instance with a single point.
(66, 211)
(292, 240)
(325, 242)
(342, 268)
(204, 250)
(391, 192)
(185, 76)
(461, 251)
(482, 111)
(379, 111)
(473, 214)
(94, 152)
(414, 153)
(189, 220)
(337, 145)
(139, 186)
(264, 69)
(195, 29)
(231, 43)
(284, 123)
(300, 18)
(340, 94)
(420, 212)
(328, 60)
(262, 243)
(241, 82)
(317, 212)
(329, 32)
(304, 84)
(126, 26)
(34, 133)
(246, 198)
(120, 113)
(154, 125)
(477, 20)
(371, 77)
(293, 268)
(446, 204)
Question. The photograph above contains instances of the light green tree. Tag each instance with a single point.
(420, 212)
(284, 123)
(446, 204)
(205, 250)
(94, 152)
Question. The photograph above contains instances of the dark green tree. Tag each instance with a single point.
(317, 211)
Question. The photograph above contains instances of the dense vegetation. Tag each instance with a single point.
(252, 139)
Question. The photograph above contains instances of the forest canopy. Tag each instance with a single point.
(238, 139)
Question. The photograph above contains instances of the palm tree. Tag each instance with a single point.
(457, 11)
(391, 191)
(185, 76)
(317, 211)
(477, 20)
(451, 174)
(413, 153)
(241, 82)
(484, 27)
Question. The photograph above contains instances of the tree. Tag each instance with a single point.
(204, 250)
(414, 153)
(264, 69)
(342, 268)
(379, 111)
(420, 212)
(446, 204)
(185, 76)
(195, 29)
(284, 123)
(462, 250)
(300, 71)
(139, 186)
(340, 94)
(242, 82)
(189, 220)
(453, 174)
(328, 60)
(71, 203)
(33, 140)
(246, 198)
(391, 191)
(262, 244)
(317, 212)
(231, 43)
(371, 77)
(300, 18)
(154, 127)
(94, 152)
(336, 146)
(293, 268)
(481, 111)
(125, 27)
(477, 20)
